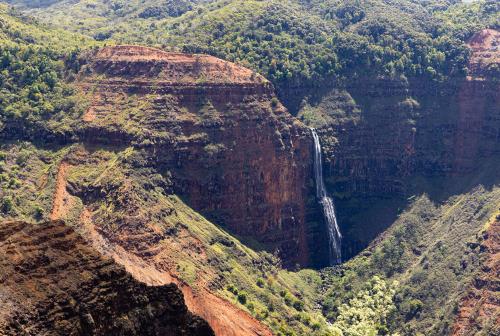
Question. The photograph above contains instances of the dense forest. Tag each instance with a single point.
(35, 67)
(292, 43)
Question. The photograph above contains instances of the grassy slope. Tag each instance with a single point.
(431, 251)
(255, 282)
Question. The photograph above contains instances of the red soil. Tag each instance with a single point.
(171, 67)
(485, 47)
(481, 306)
(485, 40)
(62, 199)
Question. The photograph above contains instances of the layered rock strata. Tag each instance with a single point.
(233, 152)
(403, 129)
(54, 283)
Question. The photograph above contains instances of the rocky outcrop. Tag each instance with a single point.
(54, 283)
(485, 54)
(233, 152)
(478, 125)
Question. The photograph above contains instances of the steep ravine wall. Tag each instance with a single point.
(405, 129)
(233, 152)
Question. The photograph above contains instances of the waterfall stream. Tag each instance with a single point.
(334, 235)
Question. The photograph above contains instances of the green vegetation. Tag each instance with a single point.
(421, 267)
(409, 283)
(27, 181)
(129, 190)
(462, 20)
(366, 314)
(292, 43)
(34, 66)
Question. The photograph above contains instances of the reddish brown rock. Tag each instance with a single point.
(54, 283)
(478, 125)
(485, 46)
(234, 152)
(406, 129)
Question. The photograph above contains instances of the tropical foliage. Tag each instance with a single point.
(295, 42)
(34, 66)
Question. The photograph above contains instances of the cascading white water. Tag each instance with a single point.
(334, 235)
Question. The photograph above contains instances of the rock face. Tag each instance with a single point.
(233, 152)
(478, 126)
(405, 128)
(54, 283)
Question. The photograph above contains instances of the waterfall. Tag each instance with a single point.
(334, 235)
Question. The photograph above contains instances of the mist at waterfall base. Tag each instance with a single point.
(334, 235)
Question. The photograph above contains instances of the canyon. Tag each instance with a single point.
(189, 189)
(234, 152)
(168, 138)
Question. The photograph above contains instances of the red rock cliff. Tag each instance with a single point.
(232, 150)
(404, 128)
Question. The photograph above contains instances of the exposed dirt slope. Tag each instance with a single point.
(55, 283)
(154, 65)
(61, 200)
(138, 240)
(485, 47)
(480, 309)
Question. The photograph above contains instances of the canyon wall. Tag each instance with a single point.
(479, 307)
(232, 151)
(390, 132)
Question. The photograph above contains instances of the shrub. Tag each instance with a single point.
(232, 289)
(38, 213)
(262, 314)
(7, 204)
(23, 157)
(242, 298)
(316, 326)
(289, 299)
(260, 282)
(298, 305)
(413, 308)
(14, 183)
(274, 102)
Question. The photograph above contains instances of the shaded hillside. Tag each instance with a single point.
(386, 139)
(54, 283)
(206, 125)
(432, 254)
